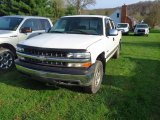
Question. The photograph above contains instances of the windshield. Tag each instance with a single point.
(79, 25)
(122, 25)
(9, 23)
(142, 26)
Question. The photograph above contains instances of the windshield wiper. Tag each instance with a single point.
(56, 32)
(77, 31)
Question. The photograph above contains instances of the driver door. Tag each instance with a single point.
(109, 39)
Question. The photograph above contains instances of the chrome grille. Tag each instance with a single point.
(45, 53)
(141, 30)
(46, 63)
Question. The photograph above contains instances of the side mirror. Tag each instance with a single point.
(113, 32)
(26, 30)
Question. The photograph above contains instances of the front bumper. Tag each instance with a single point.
(140, 33)
(55, 75)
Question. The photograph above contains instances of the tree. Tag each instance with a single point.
(5, 7)
(70, 10)
(154, 15)
(56, 9)
(79, 4)
(48, 8)
(23, 7)
(138, 16)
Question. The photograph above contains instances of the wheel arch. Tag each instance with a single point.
(9, 46)
(101, 57)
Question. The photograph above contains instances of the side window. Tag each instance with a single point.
(107, 26)
(45, 24)
(35, 24)
(112, 24)
(28, 23)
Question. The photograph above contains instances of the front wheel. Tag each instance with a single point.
(6, 59)
(97, 79)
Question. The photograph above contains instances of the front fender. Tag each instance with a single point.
(96, 49)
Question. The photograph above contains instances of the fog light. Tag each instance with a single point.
(85, 65)
(21, 58)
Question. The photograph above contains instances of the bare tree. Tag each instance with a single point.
(79, 4)
(154, 15)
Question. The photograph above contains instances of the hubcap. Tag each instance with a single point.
(6, 60)
(97, 77)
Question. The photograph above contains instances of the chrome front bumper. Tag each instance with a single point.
(53, 77)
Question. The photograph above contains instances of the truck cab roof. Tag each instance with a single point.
(25, 17)
(99, 16)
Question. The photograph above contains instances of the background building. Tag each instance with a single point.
(121, 16)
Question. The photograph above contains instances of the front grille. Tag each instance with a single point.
(141, 30)
(46, 63)
(45, 53)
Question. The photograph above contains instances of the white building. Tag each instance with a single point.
(121, 16)
(116, 16)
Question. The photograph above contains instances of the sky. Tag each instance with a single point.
(113, 3)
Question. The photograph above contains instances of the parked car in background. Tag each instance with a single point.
(141, 29)
(123, 27)
(73, 52)
(14, 29)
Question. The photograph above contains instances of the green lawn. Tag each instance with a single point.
(130, 90)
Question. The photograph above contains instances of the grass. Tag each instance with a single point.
(155, 30)
(130, 90)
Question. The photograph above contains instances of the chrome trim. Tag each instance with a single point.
(84, 79)
(52, 59)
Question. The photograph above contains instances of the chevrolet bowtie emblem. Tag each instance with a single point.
(42, 58)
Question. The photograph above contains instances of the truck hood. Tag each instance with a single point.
(62, 41)
(7, 33)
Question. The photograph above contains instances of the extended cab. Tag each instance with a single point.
(73, 52)
(14, 29)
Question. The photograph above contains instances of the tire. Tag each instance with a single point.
(116, 54)
(6, 60)
(97, 79)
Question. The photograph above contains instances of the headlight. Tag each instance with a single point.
(19, 49)
(78, 55)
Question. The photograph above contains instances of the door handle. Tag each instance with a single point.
(13, 36)
(113, 39)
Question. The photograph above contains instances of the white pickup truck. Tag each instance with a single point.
(73, 52)
(14, 29)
